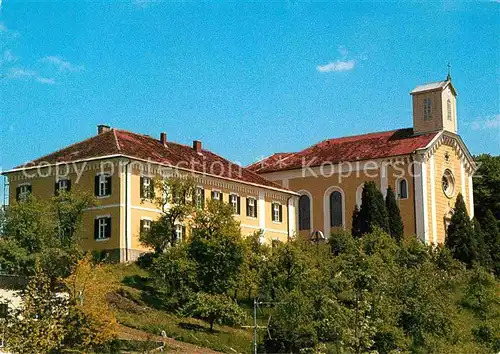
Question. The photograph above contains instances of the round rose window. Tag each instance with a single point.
(448, 183)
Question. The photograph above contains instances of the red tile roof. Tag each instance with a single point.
(144, 147)
(352, 148)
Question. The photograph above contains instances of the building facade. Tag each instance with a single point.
(118, 166)
(427, 166)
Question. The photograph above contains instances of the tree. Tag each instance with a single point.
(356, 222)
(175, 276)
(175, 200)
(44, 230)
(255, 255)
(373, 212)
(89, 323)
(491, 234)
(216, 247)
(214, 308)
(38, 325)
(487, 186)
(395, 220)
(460, 238)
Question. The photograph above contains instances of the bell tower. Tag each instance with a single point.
(435, 107)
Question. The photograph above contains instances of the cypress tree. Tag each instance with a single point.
(356, 222)
(373, 212)
(460, 238)
(395, 220)
(483, 254)
(489, 225)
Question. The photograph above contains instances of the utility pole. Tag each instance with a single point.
(254, 325)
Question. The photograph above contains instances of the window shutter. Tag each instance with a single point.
(142, 226)
(109, 184)
(96, 185)
(238, 202)
(255, 208)
(221, 197)
(183, 234)
(202, 198)
(96, 229)
(68, 188)
(56, 188)
(142, 189)
(29, 189)
(248, 208)
(18, 192)
(281, 212)
(108, 228)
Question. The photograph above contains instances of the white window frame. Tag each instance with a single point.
(213, 194)
(149, 220)
(62, 184)
(199, 196)
(233, 200)
(178, 232)
(276, 210)
(398, 188)
(23, 192)
(102, 218)
(103, 185)
(146, 186)
(254, 207)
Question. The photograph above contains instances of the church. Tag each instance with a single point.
(427, 166)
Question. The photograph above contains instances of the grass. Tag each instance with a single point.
(134, 308)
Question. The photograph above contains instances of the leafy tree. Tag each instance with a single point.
(492, 239)
(38, 326)
(216, 247)
(175, 276)
(460, 238)
(373, 212)
(255, 255)
(175, 199)
(483, 254)
(214, 308)
(89, 323)
(44, 230)
(487, 186)
(395, 220)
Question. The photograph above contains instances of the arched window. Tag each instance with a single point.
(359, 195)
(336, 209)
(448, 108)
(403, 189)
(304, 212)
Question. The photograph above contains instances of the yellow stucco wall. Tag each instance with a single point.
(317, 186)
(115, 205)
(443, 203)
(82, 176)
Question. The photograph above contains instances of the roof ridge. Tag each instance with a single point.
(152, 138)
(69, 146)
(249, 171)
(116, 140)
(365, 134)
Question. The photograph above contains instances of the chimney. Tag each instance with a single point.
(163, 138)
(103, 128)
(197, 146)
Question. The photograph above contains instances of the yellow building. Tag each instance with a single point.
(118, 166)
(427, 166)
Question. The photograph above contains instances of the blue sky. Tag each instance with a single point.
(246, 79)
